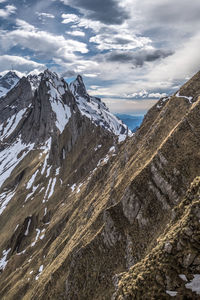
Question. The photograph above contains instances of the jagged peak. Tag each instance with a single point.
(8, 81)
(79, 78)
(78, 87)
(49, 74)
(97, 111)
(10, 74)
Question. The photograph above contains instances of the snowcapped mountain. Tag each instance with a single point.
(39, 109)
(91, 107)
(94, 109)
(7, 82)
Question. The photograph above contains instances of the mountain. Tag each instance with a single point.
(86, 217)
(7, 82)
(133, 122)
(96, 110)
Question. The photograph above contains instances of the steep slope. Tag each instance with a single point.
(7, 82)
(172, 268)
(99, 207)
(94, 109)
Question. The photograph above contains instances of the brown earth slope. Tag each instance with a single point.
(118, 216)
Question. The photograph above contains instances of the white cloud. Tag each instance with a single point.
(70, 18)
(179, 66)
(76, 33)
(19, 63)
(90, 75)
(81, 22)
(21, 24)
(157, 95)
(45, 15)
(7, 11)
(42, 42)
(120, 41)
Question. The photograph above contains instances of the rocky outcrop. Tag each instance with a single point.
(172, 268)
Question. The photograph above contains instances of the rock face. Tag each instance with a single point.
(96, 110)
(172, 267)
(86, 217)
(7, 82)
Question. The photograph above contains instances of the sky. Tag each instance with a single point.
(129, 52)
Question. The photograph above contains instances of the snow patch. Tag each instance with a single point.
(31, 180)
(183, 277)
(27, 229)
(36, 238)
(97, 147)
(34, 188)
(3, 261)
(47, 190)
(52, 188)
(171, 293)
(46, 149)
(16, 227)
(61, 110)
(95, 110)
(12, 123)
(40, 271)
(9, 158)
(161, 102)
(186, 97)
(79, 188)
(5, 199)
(73, 187)
(57, 171)
(45, 211)
(194, 285)
(48, 171)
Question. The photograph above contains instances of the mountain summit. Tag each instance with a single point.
(7, 82)
(96, 110)
(85, 217)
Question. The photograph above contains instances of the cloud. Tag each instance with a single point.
(157, 95)
(69, 73)
(109, 41)
(182, 64)
(70, 18)
(7, 11)
(81, 22)
(43, 43)
(23, 25)
(164, 21)
(45, 15)
(76, 33)
(19, 63)
(95, 10)
(137, 58)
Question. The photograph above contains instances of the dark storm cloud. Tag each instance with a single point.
(105, 11)
(137, 58)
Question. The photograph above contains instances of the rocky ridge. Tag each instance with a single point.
(87, 218)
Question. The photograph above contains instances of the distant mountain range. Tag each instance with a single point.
(132, 121)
